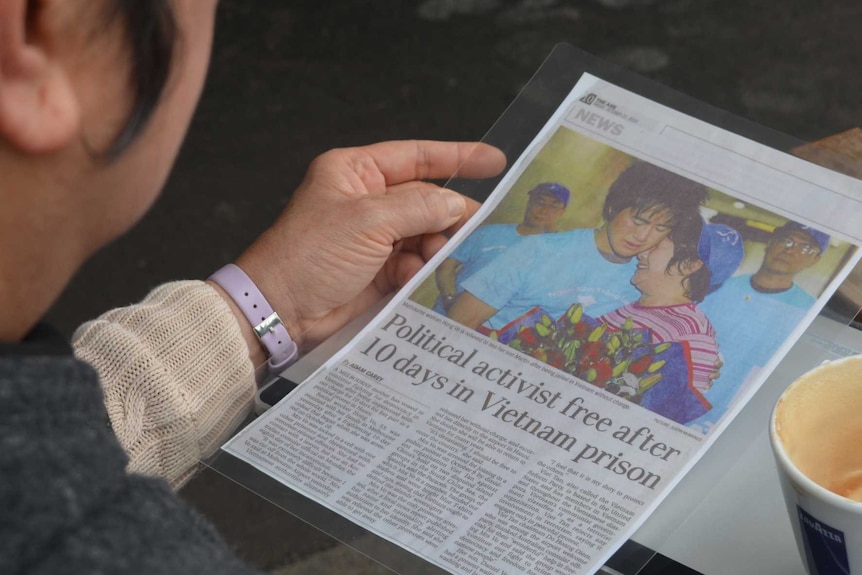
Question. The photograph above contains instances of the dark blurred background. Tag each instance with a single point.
(289, 80)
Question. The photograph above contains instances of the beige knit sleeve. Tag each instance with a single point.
(176, 376)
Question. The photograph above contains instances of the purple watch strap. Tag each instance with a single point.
(263, 319)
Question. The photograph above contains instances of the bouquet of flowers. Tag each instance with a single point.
(624, 362)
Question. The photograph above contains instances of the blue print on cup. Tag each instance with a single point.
(825, 550)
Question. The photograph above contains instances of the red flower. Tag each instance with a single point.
(640, 365)
(601, 372)
(528, 337)
(556, 358)
(540, 354)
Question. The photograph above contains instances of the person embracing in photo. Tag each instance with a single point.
(592, 267)
(673, 278)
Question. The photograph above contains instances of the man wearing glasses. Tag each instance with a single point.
(754, 313)
(792, 249)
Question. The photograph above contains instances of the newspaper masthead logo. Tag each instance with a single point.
(588, 98)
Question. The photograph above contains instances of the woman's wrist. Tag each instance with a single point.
(256, 352)
(265, 331)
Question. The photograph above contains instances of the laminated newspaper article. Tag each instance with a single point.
(537, 390)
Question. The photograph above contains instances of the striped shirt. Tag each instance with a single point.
(683, 322)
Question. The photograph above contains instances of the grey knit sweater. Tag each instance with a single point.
(66, 503)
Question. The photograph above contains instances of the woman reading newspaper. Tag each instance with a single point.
(95, 98)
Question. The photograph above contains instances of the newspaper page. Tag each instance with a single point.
(550, 376)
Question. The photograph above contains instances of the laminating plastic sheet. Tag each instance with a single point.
(526, 411)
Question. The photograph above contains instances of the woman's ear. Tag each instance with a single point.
(39, 111)
(690, 266)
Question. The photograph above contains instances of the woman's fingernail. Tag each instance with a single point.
(455, 202)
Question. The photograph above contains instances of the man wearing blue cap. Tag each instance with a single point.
(547, 202)
(754, 313)
(792, 248)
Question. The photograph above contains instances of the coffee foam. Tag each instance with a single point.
(819, 423)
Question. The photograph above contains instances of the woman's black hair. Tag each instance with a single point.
(645, 187)
(150, 34)
(685, 236)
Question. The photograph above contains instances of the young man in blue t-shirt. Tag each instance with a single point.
(588, 266)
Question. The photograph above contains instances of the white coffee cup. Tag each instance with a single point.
(816, 436)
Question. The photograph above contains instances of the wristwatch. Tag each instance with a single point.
(265, 322)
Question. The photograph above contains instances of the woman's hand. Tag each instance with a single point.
(359, 226)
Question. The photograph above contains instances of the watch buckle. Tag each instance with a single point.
(268, 325)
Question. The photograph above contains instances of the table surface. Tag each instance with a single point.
(727, 516)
